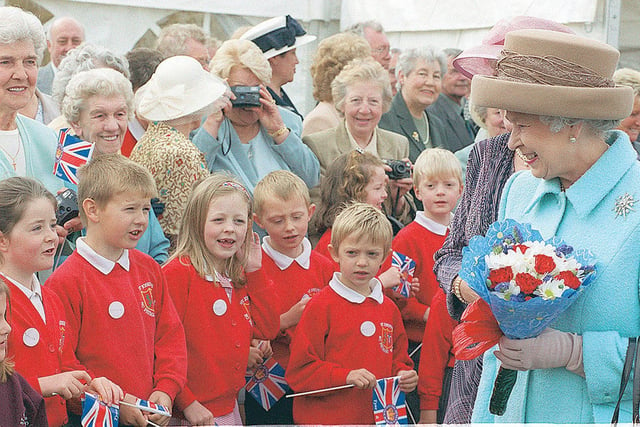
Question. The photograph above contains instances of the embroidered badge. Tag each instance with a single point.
(148, 304)
(312, 292)
(62, 325)
(245, 303)
(386, 337)
(624, 205)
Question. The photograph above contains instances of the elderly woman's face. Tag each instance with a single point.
(18, 75)
(363, 108)
(494, 122)
(421, 86)
(103, 121)
(631, 125)
(242, 116)
(548, 154)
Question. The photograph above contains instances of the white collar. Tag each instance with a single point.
(103, 265)
(372, 146)
(431, 225)
(283, 261)
(353, 296)
(37, 288)
(136, 128)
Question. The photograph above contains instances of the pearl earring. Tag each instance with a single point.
(572, 139)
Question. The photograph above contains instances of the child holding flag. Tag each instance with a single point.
(350, 333)
(121, 320)
(222, 297)
(437, 181)
(38, 344)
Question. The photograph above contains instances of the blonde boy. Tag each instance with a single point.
(283, 209)
(350, 333)
(437, 181)
(122, 322)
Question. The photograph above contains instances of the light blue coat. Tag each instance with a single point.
(250, 162)
(609, 310)
(39, 144)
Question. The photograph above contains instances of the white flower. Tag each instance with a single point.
(551, 289)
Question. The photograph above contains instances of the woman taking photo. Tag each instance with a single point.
(559, 96)
(251, 141)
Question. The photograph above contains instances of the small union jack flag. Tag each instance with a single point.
(389, 403)
(96, 413)
(145, 405)
(267, 384)
(407, 268)
(72, 152)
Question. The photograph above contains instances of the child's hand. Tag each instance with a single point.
(415, 286)
(198, 415)
(264, 346)
(425, 316)
(255, 357)
(161, 398)
(408, 380)
(108, 391)
(254, 257)
(129, 415)
(390, 278)
(363, 379)
(67, 384)
(292, 317)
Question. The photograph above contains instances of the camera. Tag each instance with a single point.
(246, 96)
(399, 169)
(67, 206)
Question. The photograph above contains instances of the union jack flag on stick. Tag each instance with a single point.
(407, 268)
(72, 152)
(96, 413)
(145, 405)
(389, 403)
(267, 384)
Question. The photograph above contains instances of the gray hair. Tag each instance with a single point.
(17, 25)
(97, 82)
(361, 70)
(83, 58)
(172, 39)
(599, 127)
(628, 77)
(358, 28)
(452, 52)
(408, 60)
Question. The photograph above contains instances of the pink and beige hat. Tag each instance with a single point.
(554, 74)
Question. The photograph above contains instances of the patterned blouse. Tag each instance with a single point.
(175, 164)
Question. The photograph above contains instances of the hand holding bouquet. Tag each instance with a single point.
(524, 283)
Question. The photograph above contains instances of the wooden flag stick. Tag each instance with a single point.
(324, 390)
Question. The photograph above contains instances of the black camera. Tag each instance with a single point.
(67, 206)
(399, 169)
(246, 96)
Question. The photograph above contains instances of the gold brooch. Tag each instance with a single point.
(624, 205)
(415, 136)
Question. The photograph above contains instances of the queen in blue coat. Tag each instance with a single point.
(582, 186)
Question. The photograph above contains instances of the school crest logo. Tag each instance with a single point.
(62, 326)
(147, 304)
(246, 305)
(386, 337)
(311, 292)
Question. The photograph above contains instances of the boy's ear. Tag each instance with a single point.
(4, 242)
(91, 210)
(256, 219)
(333, 252)
(312, 209)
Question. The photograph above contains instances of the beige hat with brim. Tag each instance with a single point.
(534, 89)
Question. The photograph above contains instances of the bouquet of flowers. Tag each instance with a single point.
(524, 283)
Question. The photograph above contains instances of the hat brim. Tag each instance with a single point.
(478, 60)
(302, 40)
(204, 94)
(609, 103)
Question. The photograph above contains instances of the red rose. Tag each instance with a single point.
(527, 282)
(500, 275)
(569, 279)
(520, 247)
(544, 264)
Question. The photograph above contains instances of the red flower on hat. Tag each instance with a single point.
(569, 279)
(527, 282)
(544, 264)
